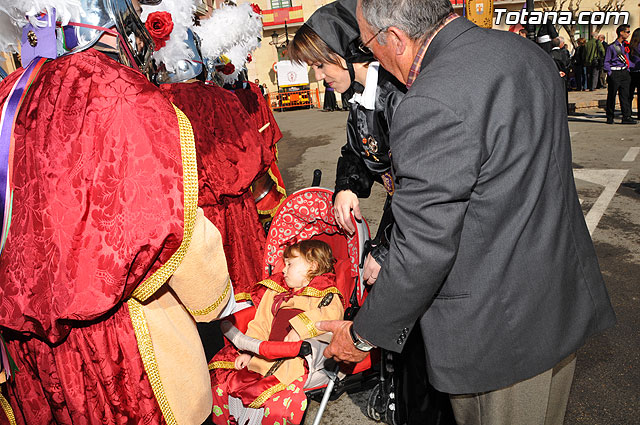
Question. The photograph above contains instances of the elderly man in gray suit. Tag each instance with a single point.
(490, 252)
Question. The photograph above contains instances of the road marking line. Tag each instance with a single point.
(611, 180)
(631, 154)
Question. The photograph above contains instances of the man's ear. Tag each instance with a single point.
(398, 39)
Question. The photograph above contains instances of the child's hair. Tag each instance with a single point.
(311, 250)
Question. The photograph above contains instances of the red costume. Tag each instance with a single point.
(232, 154)
(265, 123)
(100, 211)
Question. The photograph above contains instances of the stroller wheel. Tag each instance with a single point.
(374, 404)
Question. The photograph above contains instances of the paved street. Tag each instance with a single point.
(607, 169)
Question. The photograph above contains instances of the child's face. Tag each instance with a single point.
(296, 271)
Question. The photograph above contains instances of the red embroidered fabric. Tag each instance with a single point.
(98, 206)
(261, 114)
(257, 107)
(230, 156)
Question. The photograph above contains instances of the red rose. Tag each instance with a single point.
(249, 58)
(227, 69)
(256, 8)
(159, 25)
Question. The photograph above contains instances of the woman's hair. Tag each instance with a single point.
(581, 41)
(635, 40)
(308, 47)
(311, 250)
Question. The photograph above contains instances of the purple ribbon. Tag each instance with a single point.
(9, 112)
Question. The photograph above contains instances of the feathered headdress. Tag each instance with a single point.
(14, 15)
(232, 32)
(168, 23)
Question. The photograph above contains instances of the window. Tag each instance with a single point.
(277, 4)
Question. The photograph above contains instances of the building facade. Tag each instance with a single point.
(278, 14)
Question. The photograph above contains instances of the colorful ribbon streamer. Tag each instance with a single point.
(10, 111)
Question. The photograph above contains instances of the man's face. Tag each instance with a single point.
(383, 52)
(625, 34)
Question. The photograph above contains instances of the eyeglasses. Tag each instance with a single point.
(363, 46)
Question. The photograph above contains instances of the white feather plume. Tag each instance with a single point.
(16, 14)
(176, 48)
(233, 31)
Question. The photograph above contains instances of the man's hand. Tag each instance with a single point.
(242, 360)
(346, 201)
(371, 270)
(341, 347)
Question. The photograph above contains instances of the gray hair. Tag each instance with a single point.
(417, 18)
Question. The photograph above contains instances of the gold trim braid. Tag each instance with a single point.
(313, 331)
(272, 285)
(190, 187)
(155, 281)
(242, 296)
(266, 395)
(222, 365)
(216, 304)
(7, 410)
(145, 346)
(313, 292)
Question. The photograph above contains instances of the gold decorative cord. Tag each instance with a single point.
(313, 292)
(190, 186)
(155, 281)
(216, 304)
(313, 331)
(7, 410)
(222, 365)
(266, 395)
(272, 285)
(242, 296)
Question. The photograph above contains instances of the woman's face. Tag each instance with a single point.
(335, 76)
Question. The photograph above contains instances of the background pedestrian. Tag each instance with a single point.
(634, 58)
(616, 64)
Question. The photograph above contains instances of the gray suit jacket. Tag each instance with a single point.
(490, 250)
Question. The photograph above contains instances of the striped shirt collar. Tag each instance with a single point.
(417, 61)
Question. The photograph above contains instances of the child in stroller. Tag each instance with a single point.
(260, 390)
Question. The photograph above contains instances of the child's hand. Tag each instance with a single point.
(292, 336)
(242, 360)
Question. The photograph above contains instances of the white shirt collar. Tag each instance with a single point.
(367, 99)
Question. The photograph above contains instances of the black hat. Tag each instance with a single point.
(336, 24)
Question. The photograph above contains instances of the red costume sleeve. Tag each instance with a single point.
(230, 152)
(98, 200)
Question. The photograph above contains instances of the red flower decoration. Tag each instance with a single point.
(159, 25)
(227, 69)
(256, 8)
(249, 58)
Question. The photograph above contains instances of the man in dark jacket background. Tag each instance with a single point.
(490, 252)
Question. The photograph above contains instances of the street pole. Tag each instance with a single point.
(531, 29)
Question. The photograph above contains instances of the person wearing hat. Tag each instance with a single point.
(330, 43)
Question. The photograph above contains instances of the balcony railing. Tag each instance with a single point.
(279, 16)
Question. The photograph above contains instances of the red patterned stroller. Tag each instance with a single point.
(308, 214)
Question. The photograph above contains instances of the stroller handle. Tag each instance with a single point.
(317, 177)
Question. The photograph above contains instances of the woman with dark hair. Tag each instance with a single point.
(330, 43)
(634, 59)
